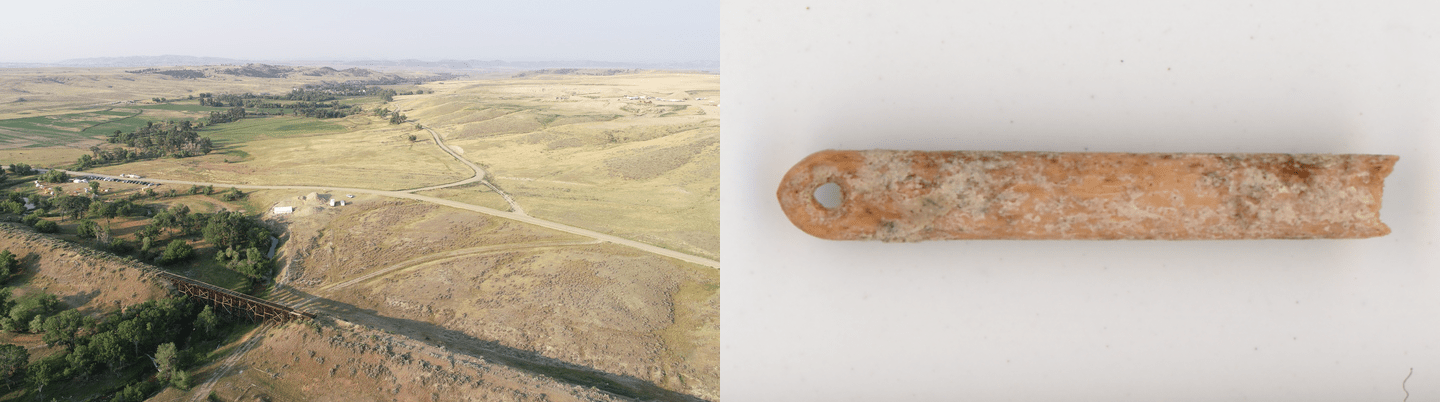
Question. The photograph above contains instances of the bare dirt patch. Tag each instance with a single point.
(83, 278)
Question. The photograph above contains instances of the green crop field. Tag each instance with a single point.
(62, 129)
(251, 129)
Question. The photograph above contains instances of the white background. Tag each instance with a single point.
(810, 319)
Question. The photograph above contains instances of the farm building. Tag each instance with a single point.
(284, 210)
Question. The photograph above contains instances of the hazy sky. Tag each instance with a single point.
(53, 30)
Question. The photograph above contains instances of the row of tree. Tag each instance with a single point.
(233, 114)
(309, 93)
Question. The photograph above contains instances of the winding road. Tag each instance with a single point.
(479, 175)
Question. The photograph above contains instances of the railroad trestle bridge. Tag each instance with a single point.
(235, 303)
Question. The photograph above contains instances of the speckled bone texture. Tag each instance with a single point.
(906, 196)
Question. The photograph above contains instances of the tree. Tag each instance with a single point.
(13, 359)
(177, 250)
(165, 361)
(234, 194)
(22, 315)
(54, 176)
(107, 348)
(95, 187)
(87, 229)
(207, 321)
(61, 329)
(9, 265)
(47, 370)
(74, 206)
(131, 331)
(85, 162)
(227, 229)
(82, 359)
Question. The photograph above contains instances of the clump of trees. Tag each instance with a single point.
(21, 169)
(26, 314)
(233, 194)
(240, 239)
(177, 139)
(114, 342)
(54, 176)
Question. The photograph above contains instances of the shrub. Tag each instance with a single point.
(9, 265)
(87, 229)
(31, 219)
(44, 226)
(119, 246)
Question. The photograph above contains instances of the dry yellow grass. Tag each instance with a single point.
(575, 150)
(392, 264)
(474, 193)
(46, 156)
(344, 363)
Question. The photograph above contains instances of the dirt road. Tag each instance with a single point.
(479, 175)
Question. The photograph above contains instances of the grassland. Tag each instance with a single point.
(473, 193)
(472, 279)
(575, 150)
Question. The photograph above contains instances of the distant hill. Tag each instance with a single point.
(178, 60)
(146, 61)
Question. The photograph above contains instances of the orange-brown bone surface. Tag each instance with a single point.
(902, 196)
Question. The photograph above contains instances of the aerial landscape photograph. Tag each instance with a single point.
(360, 201)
